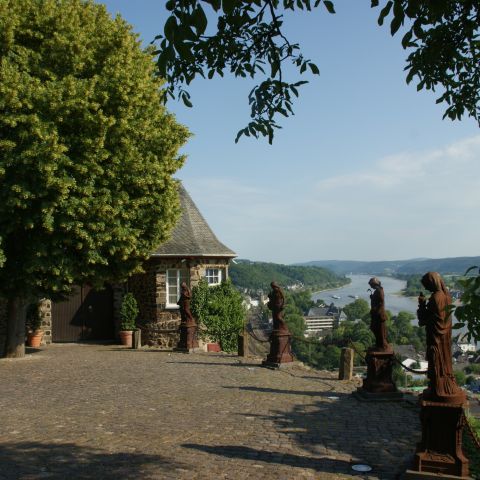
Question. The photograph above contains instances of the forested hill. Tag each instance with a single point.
(258, 275)
(454, 265)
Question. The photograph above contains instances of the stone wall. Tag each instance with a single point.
(45, 311)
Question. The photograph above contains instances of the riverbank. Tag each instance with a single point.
(359, 288)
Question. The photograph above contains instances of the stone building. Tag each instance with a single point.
(192, 252)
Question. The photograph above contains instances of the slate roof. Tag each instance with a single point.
(192, 237)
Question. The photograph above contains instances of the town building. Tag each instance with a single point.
(321, 320)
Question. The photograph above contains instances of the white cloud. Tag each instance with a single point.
(405, 205)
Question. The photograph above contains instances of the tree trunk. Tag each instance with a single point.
(15, 343)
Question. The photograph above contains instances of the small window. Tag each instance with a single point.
(175, 277)
(213, 276)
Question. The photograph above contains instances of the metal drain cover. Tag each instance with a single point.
(361, 468)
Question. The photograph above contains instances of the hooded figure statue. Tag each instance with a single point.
(437, 320)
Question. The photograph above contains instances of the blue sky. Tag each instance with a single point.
(365, 170)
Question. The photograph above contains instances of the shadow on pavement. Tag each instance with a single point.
(223, 364)
(333, 433)
(311, 393)
(33, 460)
(320, 464)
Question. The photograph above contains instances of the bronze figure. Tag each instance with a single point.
(437, 320)
(280, 349)
(378, 316)
(188, 326)
(276, 302)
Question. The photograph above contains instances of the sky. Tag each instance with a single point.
(365, 170)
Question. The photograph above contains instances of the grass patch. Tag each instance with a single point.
(470, 448)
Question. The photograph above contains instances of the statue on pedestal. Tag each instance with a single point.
(280, 349)
(437, 320)
(442, 403)
(380, 357)
(378, 316)
(188, 326)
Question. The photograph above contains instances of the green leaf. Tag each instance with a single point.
(186, 101)
(384, 12)
(314, 68)
(170, 28)
(228, 6)
(329, 6)
(200, 21)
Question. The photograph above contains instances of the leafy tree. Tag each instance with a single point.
(468, 314)
(356, 309)
(87, 153)
(220, 310)
(301, 300)
(442, 37)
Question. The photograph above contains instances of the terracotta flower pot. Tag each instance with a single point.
(34, 339)
(126, 338)
(213, 347)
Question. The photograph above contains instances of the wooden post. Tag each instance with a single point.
(345, 371)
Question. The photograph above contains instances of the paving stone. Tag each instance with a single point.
(103, 411)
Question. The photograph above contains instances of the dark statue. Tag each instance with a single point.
(379, 383)
(442, 403)
(276, 302)
(437, 320)
(280, 349)
(378, 317)
(184, 304)
(188, 326)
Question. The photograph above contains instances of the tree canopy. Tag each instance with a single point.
(358, 309)
(87, 150)
(442, 38)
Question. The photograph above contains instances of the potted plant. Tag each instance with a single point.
(33, 324)
(128, 315)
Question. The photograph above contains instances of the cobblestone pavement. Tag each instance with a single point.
(106, 412)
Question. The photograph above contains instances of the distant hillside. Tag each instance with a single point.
(454, 265)
(258, 275)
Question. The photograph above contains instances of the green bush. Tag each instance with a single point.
(128, 312)
(220, 312)
(473, 368)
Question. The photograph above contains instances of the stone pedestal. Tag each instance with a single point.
(280, 349)
(188, 338)
(440, 450)
(379, 372)
(379, 384)
(345, 372)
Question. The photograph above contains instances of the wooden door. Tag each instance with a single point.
(86, 315)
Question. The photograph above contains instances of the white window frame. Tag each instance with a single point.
(213, 276)
(179, 278)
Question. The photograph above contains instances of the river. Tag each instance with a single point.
(392, 287)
